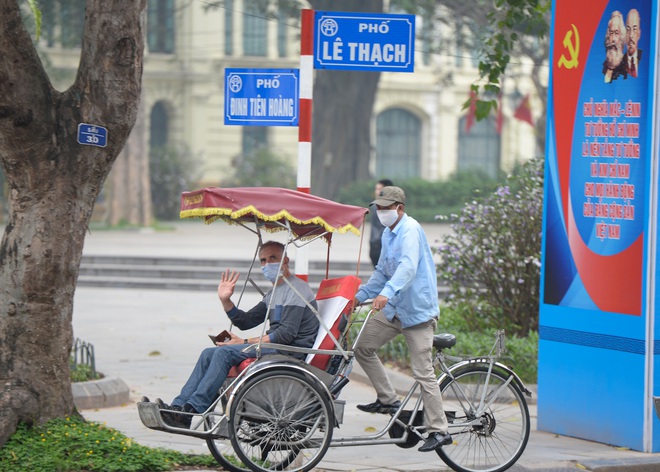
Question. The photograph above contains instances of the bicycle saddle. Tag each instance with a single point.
(443, 341)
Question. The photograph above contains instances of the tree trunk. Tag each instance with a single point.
(341, 118)
(53, 183)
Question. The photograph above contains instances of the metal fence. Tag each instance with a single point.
(82, 353)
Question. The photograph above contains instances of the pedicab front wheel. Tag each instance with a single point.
(281, 418)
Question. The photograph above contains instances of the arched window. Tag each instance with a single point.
(160, 26)
(255, 28)
(159, 129)
(398, 138)
(164, 168)
(480, 147)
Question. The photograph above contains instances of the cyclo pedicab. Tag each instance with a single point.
(277, 413)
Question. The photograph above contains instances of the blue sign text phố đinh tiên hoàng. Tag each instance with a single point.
(261, 97)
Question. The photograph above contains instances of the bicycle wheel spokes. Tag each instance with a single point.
(221, 448)
(490, 426)
(223, 452)
(281, 420)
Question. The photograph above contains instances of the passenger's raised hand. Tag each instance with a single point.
(227, 283)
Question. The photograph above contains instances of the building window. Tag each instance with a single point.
(480, 148)
(282, 33)
(255, 28)
(398, 138)
(229, 27)
(254, 138)
(72, 20)
(159, 128)
(160, 26)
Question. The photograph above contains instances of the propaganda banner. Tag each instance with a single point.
(599, 154)
(599, 253)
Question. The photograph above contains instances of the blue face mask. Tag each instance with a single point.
(270, 271)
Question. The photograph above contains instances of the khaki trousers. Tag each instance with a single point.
(419, 339)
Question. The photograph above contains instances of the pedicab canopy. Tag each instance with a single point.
(272, 207)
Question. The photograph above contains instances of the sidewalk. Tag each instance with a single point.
(150, 339)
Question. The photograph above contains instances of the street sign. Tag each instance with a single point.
(364, 41)
(92, 135)
(261, 97)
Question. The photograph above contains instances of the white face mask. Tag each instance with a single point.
(387, 217)
(270, 271)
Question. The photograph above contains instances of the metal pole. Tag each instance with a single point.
(305, 124)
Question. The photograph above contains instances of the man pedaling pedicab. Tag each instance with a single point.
(404, 290)
(291, 322)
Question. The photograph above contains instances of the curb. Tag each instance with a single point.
(107, 392)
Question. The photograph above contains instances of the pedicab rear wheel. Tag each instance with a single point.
(281, 418)
(493, 439)
(221, 448)
(223, 452)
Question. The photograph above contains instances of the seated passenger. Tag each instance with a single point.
(291, 322)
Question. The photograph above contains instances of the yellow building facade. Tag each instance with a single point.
(418, 124)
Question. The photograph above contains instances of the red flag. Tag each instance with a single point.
(472, 112)
(524, 112)
(499, 118)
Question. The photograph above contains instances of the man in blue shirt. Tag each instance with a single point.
(404, 289)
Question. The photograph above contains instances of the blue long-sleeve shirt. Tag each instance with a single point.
(405, 274)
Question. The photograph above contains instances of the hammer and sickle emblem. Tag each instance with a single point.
(573, 48)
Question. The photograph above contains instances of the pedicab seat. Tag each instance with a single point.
(334, 300)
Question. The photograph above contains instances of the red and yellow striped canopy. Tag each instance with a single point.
(271, 207)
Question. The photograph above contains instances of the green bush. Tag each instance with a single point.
(72, 444)
(521, 352)
(491, 259)
(425, 200)
(83, 373)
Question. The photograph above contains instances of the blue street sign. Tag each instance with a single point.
(364, 41)
(262, 97)
(92, 135)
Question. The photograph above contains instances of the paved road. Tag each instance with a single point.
(151, 339)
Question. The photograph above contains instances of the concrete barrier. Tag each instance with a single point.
(103, 393)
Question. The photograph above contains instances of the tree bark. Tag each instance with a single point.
(341, 117)
(53, 183)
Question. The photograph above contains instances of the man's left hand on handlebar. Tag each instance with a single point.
(377, 303)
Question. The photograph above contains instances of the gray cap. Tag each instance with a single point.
(389, 195)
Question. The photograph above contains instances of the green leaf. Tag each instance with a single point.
(37, 18)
